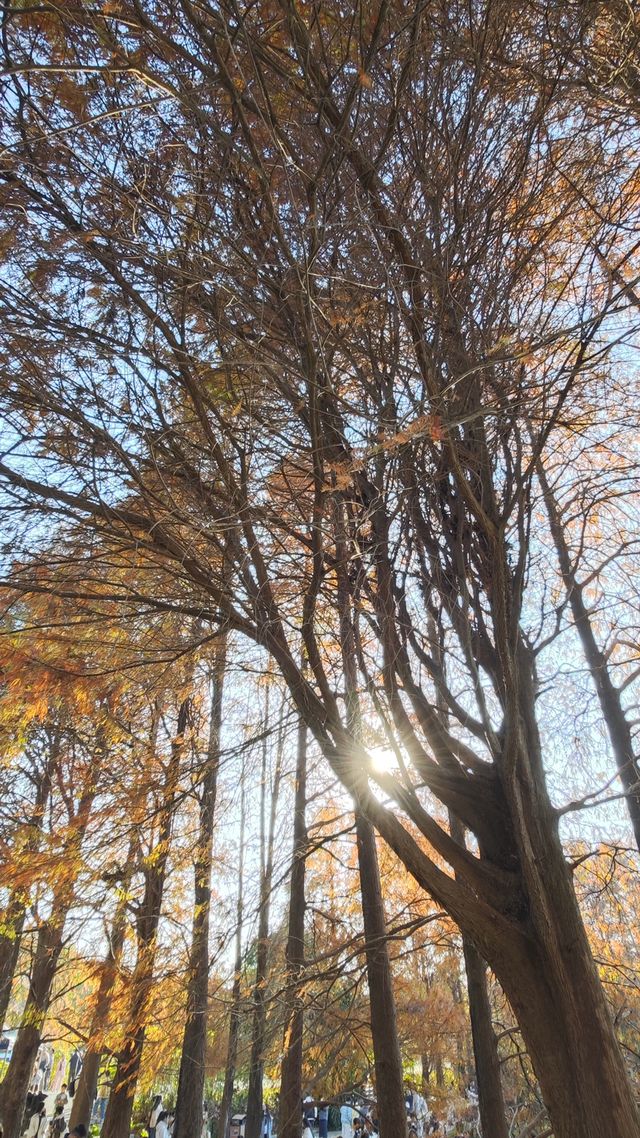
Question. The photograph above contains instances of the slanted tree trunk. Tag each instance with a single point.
(189, 1102)
(13, 917)
(234, 1011)
(289, 1115)
(117, 1120)
(384, 1031)
(259, 1025)
(49, 944)
(617, 724)
(542, 959)
(87, 1083)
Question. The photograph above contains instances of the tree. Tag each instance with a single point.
(153, 868)
(190, 1098)
(78, 801)
(292, 1044)
(370, 253)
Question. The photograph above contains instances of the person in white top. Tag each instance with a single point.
(162, 1128)
(421, 1111)
(156, 1110)
(37, 1124)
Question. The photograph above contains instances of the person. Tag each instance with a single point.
(57, 1081)
(79, 1131)
(421, 1112)
(37, 1124)
(75, 1067)
(62, 1097)
(57, 1126)
(346, 1119)
(309, 1110)
(417, 1109)
(162, 1125)
(323, 1120)
(156, 1111)
(267, 1121)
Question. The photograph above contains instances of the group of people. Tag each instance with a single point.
(40, 1125)
(161, 1120)
(44, 1078)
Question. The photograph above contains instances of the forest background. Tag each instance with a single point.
(319, 475)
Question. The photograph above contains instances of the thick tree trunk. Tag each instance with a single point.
(258, 1034)
(234, 1011)
(613, 713)
(117, 1119)
(190, 1099)
(88, 1079)
(551, 981)
(386, 1048)
(289, 1115)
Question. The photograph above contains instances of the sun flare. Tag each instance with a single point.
(383, 760)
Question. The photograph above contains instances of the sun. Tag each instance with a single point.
(383, 760)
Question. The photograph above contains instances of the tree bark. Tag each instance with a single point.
(384, 1033)
(13, 918)
(234, 1011)
(289, 1113)
(87, 1084)
(386, 1048)
(613, 713)
(190, 1098)
(49, 944)
(485, 1046)
(117, 1120)
(258, 1035)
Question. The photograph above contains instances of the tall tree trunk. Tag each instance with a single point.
(258, 1034)
(485, 1044)
(13, 917)
(117, 1120)
(618, 726)
(234, 1011)
(87, 1084)
(384, 1032)
(49, 944)
(189, 1103)
(289, 1115)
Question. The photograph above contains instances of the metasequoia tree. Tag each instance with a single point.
(153, 868)
(293, 1033)
(189, 1111)
(270, 780)
(236, 988)
(87, 1084)
(263, 261)
(24, 844)
(78, 780)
